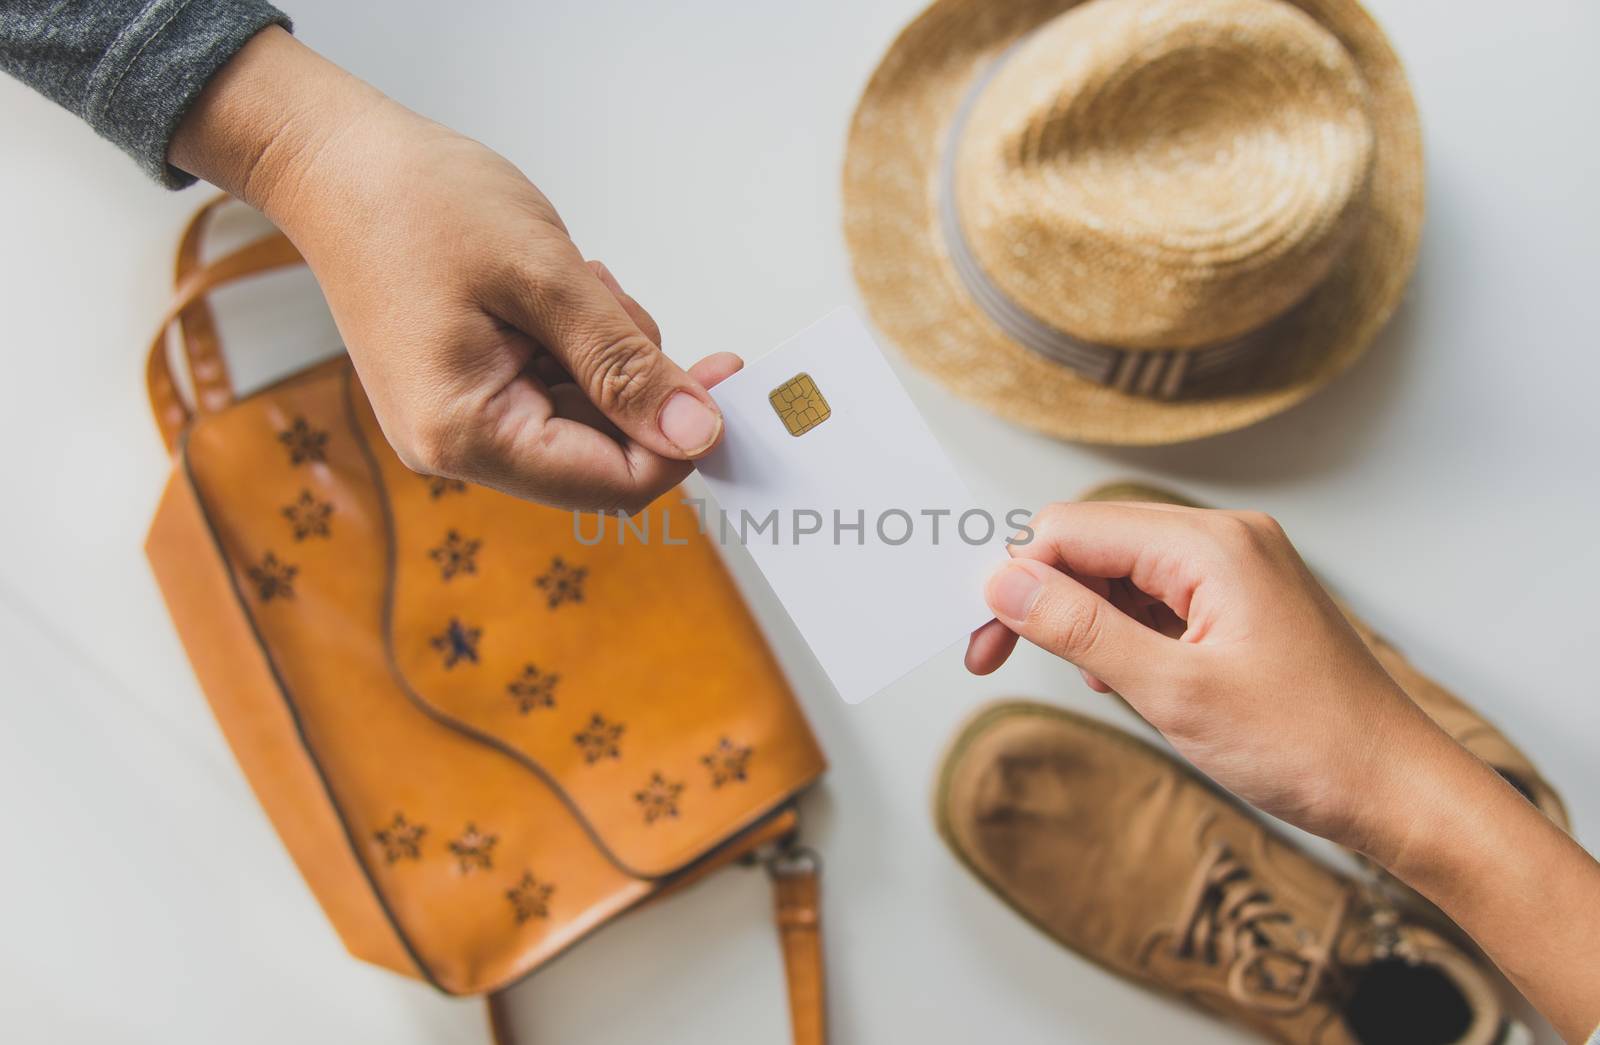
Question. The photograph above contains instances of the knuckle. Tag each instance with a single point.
(1233, 532)
(620, 372)
(440, 444)
(1262, 524)
(1255, 534)
(541, 268)
(1052, 517)
(1074, 626)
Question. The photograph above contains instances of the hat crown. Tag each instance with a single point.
(1164, 174)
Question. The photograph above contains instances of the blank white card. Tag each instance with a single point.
(831, 479)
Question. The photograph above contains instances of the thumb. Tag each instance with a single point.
(1056, 613)
(560, 301)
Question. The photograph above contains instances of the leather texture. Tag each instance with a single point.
(479, 737)
(1129, 858)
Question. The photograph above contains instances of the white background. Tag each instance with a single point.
(1447, 487)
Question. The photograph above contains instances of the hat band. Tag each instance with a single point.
(1163, 374)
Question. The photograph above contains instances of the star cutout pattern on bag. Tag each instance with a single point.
(458, 643)
(401, 839)
(599, 739)
(563, 583)
(273, 579)
(304, 443)
(530, 898)
(456, 555)
(533, 689)
(728, 762)
(659, 798)
(308, 517)
(474, 849)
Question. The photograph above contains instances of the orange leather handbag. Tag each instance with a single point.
(480, 737)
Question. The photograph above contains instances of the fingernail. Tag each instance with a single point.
(689, 424)
(1012, 591)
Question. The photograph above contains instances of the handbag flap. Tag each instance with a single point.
(615, 658)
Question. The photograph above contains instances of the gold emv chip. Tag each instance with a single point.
(799, 404)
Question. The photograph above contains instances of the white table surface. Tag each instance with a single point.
(1447, 486)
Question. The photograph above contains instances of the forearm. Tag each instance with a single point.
(130, 68)
(1525, 891)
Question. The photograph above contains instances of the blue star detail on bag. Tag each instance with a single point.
(457, 643)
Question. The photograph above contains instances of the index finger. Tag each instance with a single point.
(1165, 550)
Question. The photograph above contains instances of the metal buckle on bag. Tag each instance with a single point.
(784, 858)
(792, 859)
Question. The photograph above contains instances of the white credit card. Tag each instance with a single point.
(831, 479)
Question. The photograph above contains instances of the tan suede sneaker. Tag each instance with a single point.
(1129, 858)
(1470, 729)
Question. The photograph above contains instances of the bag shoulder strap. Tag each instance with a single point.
(191, 310)
(796, 884)
(796, 881)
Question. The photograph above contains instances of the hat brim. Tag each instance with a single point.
(915, 297)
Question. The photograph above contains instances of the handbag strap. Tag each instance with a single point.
(197, 323)
(190, 309)
(796, 882)
(796, 894)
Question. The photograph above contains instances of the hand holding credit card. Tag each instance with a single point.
(831, 479)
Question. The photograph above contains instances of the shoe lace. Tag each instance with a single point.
(1228, 919)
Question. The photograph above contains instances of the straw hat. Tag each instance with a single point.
(1135, 221)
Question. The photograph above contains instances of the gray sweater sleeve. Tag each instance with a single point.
(130, 68)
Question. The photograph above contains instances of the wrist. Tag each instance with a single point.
(1434, 812)
(1502, 871)
(1418, 794)
(266, 121)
